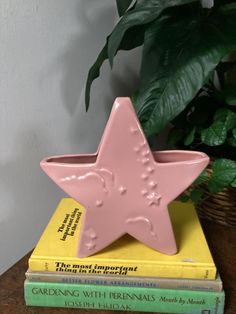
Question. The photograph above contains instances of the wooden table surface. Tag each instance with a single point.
(221, 241)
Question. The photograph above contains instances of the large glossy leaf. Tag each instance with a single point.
(122, 6)
(178, 58)
(145, 11)
(94, 72)
(190, 137)
(132, 39)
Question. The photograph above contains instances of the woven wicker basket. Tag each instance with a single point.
(220, 207)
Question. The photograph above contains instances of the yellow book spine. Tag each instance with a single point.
(126, 269)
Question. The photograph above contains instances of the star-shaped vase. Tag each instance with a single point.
(125, 187)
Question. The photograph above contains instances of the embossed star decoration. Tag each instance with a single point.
(125, 187)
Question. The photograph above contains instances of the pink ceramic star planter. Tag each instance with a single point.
(125, 187)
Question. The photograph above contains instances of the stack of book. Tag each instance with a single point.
(127, 275)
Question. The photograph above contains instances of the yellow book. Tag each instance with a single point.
(57, 249)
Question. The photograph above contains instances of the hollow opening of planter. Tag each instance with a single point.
(177, 156)
(159, 156)
(76, 159)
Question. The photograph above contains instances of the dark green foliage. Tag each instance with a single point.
(208, 124)
(183, 45)
(122, 6)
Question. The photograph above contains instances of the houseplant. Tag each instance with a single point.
(208, 124)
(183, 44)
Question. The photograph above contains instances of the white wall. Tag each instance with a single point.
(46, 49)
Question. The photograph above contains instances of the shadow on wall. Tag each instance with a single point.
(95, 22)
(28, 195)
(30, 145)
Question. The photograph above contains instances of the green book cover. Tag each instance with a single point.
(123, 298)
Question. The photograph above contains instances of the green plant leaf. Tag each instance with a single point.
(231, 141)
(144, 12)
(201, 178)
(196, 195)
(184, 198)
(214, 135)
(181, 59)
(94, 72)
(229, 95)
(190, 137)
(132, 39)
(214, 187)
(234, 133)
(233, 183)
(174, 136)
(122, 6)
(227, 116)
(223, 172)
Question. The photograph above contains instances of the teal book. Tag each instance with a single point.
(123, 298)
